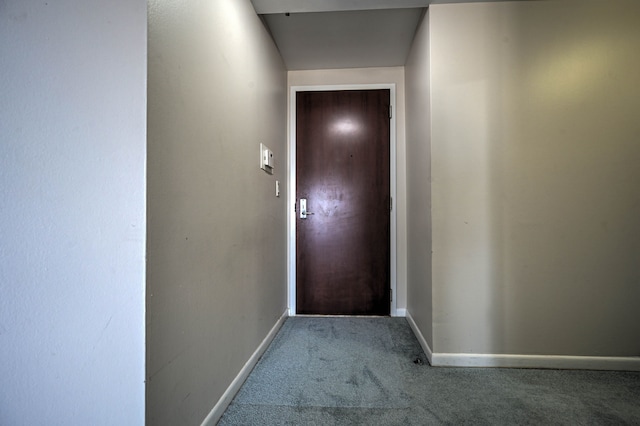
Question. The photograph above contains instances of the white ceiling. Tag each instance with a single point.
(325, 34)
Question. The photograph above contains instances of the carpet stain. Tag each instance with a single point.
(353, 380)
(375, 380)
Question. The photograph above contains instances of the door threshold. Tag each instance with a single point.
(340, 316)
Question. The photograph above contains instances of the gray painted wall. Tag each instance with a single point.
(536, 184)
(216, 272)
(418, 172)
(72, 209)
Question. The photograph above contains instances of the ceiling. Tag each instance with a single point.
(327, 34)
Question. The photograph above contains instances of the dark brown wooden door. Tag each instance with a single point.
(342, 171)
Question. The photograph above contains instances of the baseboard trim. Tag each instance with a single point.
(561, 362)
(400, 313)
(536, 361)
(218, 410)
(423, 342)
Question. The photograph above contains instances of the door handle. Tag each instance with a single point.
(303, 208)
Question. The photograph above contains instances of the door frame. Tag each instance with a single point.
(291, 178)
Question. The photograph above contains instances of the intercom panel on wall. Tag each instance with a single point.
(266, 159)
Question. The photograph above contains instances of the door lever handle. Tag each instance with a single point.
(303, 208)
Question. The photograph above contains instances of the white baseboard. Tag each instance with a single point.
(226, 398)
(423, 342)
(536, 361)
(400, 313)
(563, 362)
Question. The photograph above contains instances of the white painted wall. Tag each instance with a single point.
(384, 75)
(536, 184)
(216, 275)
(418, 171)
(72, 209)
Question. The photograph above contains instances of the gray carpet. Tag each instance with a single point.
(363, 371)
